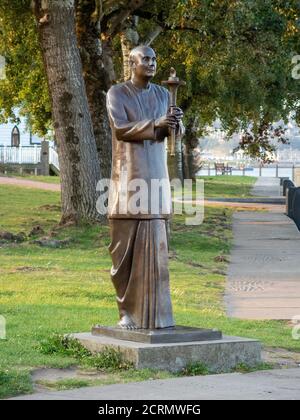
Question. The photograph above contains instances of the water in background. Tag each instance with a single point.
(267, 171)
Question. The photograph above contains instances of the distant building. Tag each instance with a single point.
(20, 150)
(17, 135)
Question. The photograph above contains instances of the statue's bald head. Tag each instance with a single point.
(142, 61)
(141, 50)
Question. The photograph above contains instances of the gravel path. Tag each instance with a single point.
(29, 184)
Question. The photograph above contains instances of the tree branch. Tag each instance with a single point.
(114, 20)
(158, 19)
(150, 37)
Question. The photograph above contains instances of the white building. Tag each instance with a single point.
(18, 146)
(17, 135)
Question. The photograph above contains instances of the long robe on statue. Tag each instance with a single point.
(139, 247)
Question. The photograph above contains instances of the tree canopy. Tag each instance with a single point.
(25, 85)
(237, 60)
(235, 56)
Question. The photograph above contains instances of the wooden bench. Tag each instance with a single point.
(223, 169)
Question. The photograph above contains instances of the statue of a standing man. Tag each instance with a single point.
(140, 121)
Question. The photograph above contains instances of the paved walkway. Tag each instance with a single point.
(283, 384)
(264, 273)
(28, 183)
(266, 187)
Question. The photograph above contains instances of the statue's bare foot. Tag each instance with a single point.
(126, 323)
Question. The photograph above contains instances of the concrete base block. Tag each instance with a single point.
(177, 334)
(216, 355)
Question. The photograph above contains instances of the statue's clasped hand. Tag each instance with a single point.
(177, 112)
(171, 119)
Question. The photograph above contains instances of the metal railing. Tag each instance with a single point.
(284, 169)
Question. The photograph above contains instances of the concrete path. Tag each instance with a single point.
(28, 183)
(266, 187)
(263, 279)
(283, 384)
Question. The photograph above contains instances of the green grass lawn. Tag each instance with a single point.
(214, 186)
(63, 290)
(224, 186)
(228, 186)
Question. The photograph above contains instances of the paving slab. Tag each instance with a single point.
(263, 278)
(277, 384)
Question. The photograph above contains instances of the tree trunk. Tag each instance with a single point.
(129, 39)
(78, 159)
(97, 82)
(108, 61)
(192, 157)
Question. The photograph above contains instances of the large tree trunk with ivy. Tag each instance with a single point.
(192, 158)
(108, 59)
(97, 81)
(78, 159)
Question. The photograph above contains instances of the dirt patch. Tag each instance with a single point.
(173, 255)
(216, 271)
(12, 237)
(36, 230)
(49, 242)
(50, 207)
(281, 358)
(27, 268)
(194, 264)
(221, 258)
(45, 378)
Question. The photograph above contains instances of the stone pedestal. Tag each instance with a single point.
(216, 354)
(178, 334)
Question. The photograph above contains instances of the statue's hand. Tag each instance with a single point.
(177, 112)
(166, 121)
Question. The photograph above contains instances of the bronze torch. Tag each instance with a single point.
(173, 83)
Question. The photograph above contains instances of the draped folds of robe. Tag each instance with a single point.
(140, 273)
(139, 248)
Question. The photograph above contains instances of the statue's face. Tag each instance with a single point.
(144, 64)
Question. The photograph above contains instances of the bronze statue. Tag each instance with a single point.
(140, 120)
